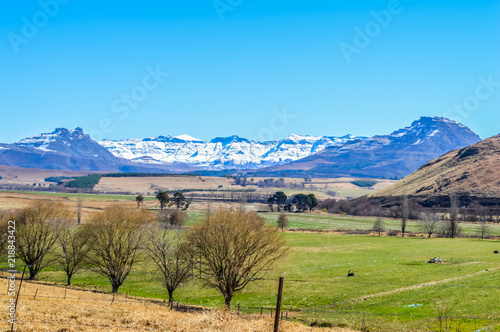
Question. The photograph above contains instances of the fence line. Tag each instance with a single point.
(262, 308)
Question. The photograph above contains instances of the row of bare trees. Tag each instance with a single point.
(231, 247)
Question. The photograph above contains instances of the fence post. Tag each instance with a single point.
(278, 305)
(34, 297)
(17, 298)
(261, 311)
(238, 308)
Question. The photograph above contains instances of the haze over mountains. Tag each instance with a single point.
(396, 154)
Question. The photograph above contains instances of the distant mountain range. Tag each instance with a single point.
(71, 150)
(397, 154)
(394, 155)
(222, 152)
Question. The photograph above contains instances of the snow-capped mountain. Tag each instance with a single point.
(397, 154)
(221, 152)
(71, 150)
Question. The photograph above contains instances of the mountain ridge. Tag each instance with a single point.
(396, 154)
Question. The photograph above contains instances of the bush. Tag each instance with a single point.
(392, 232)
(321, 324)
(172, 218)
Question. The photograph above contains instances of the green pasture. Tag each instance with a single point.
(317, 286)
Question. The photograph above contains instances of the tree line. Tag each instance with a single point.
(231, 248)
(298, 202)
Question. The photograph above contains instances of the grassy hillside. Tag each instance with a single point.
(473, 170)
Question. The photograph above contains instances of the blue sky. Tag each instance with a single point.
(258, 69)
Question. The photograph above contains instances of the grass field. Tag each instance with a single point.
(387, 268)
(323, 221)
(388, 293)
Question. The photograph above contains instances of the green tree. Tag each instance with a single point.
(139, 200)
(280, 198)
(313, 203)
(270, 202)
(302, 201)
(179, 200)
(164, 199)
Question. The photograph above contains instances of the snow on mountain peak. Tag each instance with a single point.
(185, 137)
(232, 151)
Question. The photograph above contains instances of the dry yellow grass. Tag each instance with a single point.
(145, 185)
(57, 309)
(28, 176)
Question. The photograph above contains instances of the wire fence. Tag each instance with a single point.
(287, 309)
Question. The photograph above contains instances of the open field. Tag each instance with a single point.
(320, 187)
(58, 309)
(29, 176)
(324, 221)
(317, 220)
(394, 288)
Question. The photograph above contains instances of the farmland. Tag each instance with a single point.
(389, 287)
(394, 287)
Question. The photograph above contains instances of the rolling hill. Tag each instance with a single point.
(471, 171)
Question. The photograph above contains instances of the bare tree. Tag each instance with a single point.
(429, 222)
(116, 234)
(452, 227)
(283, 221)
(405, 213)
(37, 229)
(378, 226)
(171, 253)
(79, 208)
(484, 229)
(236, 247)
(74, 248)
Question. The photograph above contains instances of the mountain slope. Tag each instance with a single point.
(473, 170)
(397, 154)
(68, 150)
(221, 152)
